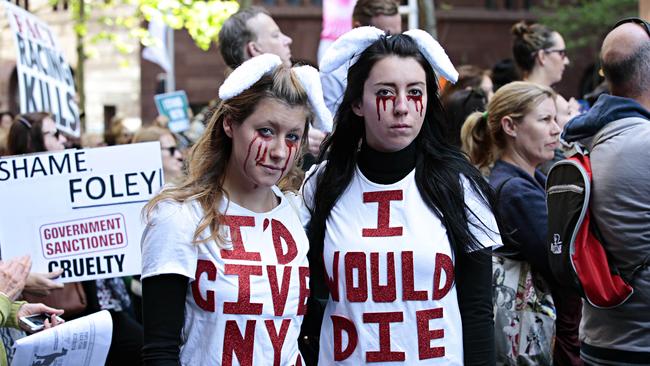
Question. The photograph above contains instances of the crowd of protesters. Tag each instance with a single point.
(405, 201)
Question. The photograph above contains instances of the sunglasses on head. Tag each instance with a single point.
(636, 20)
(172, 149)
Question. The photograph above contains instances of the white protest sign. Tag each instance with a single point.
(79, 210)
(45, 79)
(80, 342)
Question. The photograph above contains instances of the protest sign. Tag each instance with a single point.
(174, 106)
(45, 80)
(81, 342)
(79, 210)
(337, 18)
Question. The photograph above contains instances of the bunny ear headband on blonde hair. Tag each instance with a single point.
(252, 70)
(349, 47)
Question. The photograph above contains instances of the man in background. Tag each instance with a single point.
(617, 130)
(382, 14)
(251, 32)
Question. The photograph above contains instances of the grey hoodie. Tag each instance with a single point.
(620, 204)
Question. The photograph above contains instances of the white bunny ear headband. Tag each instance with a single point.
(252, 70)
(349, 47)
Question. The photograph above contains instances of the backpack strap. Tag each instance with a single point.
(593, 225)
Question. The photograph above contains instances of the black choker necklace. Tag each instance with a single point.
(386, 167)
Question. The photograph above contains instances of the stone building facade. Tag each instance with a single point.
(112, 80)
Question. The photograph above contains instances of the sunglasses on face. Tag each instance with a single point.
(636, 20)
(172, 150)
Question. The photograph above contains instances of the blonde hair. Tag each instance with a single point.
(151, 133)
(209, 157)
(482, 136)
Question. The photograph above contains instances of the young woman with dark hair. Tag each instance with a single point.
(34, 132)
(401, 224)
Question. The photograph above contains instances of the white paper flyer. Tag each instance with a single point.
(80, 342)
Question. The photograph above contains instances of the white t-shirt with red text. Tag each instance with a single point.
(390, 269)
(246, 299)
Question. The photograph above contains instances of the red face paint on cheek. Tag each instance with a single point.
(383, 99)
(262, 150)
(292, 146)
(262, 158)
(250, 146)
(417, 99)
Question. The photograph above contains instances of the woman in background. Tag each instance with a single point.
(541, 55)
(508, 142)
(172, 159)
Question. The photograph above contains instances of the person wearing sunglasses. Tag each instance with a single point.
(34, 132)
(618, 129)
(172, 158)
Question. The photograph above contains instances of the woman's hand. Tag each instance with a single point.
(13, 274)
(40, 284)
(35, 309)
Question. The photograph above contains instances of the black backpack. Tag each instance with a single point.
(576, 255)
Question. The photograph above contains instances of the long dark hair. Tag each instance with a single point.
(439, 165)
(26, 134)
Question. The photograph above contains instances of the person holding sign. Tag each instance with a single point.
(224, 253)
(402, 225)
(36, 132)
(13, 276)
(31, 133)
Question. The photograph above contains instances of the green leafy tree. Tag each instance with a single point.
(583, 23)
(120, 23)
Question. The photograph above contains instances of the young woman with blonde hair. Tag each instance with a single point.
(225, 268)
(519, 132)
